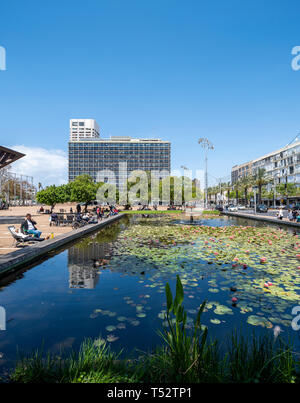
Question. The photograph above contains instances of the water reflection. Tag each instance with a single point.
(84, 261)
(126, 270)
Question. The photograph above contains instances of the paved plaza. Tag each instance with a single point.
(42, 220)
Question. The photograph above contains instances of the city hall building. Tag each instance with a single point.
(90, 154)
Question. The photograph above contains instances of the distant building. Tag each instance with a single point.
(82, 129)
(283, 165)
(89, 154)
(240, 171)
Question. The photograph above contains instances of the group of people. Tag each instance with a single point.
(29, 226)
(99, 211)
(294, 215)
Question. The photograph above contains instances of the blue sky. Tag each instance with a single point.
(177, 70)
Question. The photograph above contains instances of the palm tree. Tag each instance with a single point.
(222, 188)
(210, 192)
(260, 179)
(217, 191)
(246, 183)
(227, 188)
(237, 186)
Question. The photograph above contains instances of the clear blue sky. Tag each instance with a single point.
(177, 70)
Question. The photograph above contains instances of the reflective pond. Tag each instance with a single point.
(111, 285)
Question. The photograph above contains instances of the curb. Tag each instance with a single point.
(264, 219)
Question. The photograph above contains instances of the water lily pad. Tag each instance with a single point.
(215, 321)
(111, 338)
(99, 342)
(214, 290)
(110, 328)
(255, 320)
(223, 310)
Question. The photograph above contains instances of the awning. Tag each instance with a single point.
(7, 156)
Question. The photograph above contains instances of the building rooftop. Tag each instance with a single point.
(287, 147)
(118, 139)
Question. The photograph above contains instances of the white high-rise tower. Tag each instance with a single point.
(83, 129)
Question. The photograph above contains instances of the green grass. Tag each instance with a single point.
(183, 357)
(151, 211)
(213, 212)
(206, 212)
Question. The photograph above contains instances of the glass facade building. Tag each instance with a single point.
(89, 156)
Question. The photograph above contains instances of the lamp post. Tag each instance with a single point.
(206, 145)
(274, 193)
(184, 169)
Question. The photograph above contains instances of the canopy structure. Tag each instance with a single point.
(7, 156)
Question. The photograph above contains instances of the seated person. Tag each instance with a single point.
(28, 226)
(28, 237)
(53, 218)
(85, 216)
(93, 219)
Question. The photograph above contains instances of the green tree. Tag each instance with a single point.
(246, 183)
(177, 189)
(52, 195)
(260, 179)
(82, 190)
(227, 188)
(237, 188)
(287, 189)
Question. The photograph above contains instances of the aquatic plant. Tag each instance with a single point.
(183, 357)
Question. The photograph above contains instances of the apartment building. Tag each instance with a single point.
(283, 165)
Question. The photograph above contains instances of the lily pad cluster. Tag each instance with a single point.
(259, 267)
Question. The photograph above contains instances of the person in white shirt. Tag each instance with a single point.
(280, 214)
(29, 227)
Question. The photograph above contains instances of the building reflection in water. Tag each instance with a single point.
(83, 272)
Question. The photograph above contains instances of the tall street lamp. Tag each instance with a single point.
(206, 145)
(276, 175)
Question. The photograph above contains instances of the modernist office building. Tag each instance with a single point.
(282, 166)
(90, 154)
